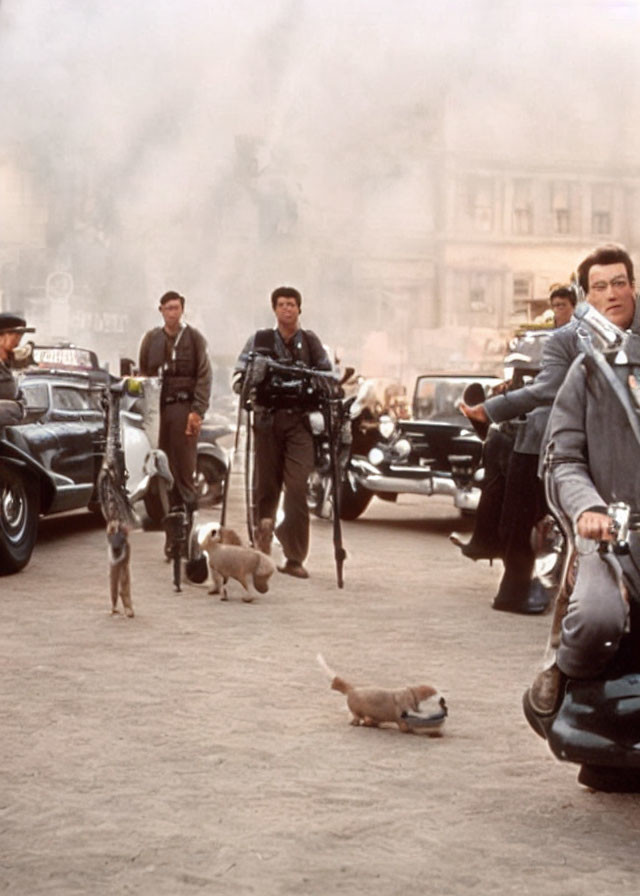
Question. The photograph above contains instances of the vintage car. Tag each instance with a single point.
(435, 452)
(49, 463)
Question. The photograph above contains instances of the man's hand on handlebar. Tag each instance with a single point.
(595, 525)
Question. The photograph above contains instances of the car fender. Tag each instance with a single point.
(14, 457)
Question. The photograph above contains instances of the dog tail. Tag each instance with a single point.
(337, 683)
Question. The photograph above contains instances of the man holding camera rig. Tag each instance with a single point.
(593, 447)
(283, 440)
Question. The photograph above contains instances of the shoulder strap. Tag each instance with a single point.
(265, 341)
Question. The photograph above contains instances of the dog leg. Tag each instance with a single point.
(250, 595)
(217, 582)
(125, 588)
(113, 587)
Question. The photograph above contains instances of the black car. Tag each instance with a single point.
(435, 452)
(49, 463)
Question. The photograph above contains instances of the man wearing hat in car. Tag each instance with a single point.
(12, 327)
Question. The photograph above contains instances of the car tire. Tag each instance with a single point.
(354, 499)
(19, 510)
(210, 476)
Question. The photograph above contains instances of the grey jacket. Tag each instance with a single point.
(593, 454)
(535, 400)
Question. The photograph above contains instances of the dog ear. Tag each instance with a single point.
(406, 699)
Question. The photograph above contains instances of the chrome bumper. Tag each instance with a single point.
(431, 483)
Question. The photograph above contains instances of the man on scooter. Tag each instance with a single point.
(593, 448)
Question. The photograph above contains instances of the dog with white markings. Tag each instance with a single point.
(119, 563)
(228, 559)
(412, 708)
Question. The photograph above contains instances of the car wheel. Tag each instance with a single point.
(210, 476)
(19, 509)
(354, 499)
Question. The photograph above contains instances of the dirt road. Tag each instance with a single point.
(198, 748)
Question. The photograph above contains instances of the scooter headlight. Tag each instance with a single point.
(376, 456)
(387, 427)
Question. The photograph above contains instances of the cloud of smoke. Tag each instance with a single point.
(222, 148)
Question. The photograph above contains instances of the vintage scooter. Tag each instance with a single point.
(147, 465)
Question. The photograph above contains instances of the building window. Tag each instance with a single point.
(522, 206)
(560, 207)
(522, 287)
(601, 208)
(480, 202)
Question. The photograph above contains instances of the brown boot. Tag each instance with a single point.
(264, 534)
(542, 700)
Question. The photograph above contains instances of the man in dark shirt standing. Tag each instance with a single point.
(283, 441)
(178, 353)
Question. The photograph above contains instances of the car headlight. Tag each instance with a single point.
(387, 427)
(376, 456)
(402, 449)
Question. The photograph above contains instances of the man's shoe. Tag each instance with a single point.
(536, 601)
(542, 700)
(264, 535)
(527, 607)
(468, 549)
(294, 569)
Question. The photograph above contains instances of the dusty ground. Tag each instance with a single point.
(198, 748)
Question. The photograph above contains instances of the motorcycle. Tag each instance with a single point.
(320, 482)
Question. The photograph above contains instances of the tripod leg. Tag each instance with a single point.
(249, 478)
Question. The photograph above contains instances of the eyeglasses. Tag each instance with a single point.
(616, 283)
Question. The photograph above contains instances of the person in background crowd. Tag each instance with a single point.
(12, 328)
(514, 501)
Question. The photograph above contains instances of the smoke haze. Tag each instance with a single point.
(221, 148)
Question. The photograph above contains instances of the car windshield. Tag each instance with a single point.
(436, 398)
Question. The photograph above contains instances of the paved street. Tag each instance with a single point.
(198, 748)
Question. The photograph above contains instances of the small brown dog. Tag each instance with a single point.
(230, 559)
(119, 572)
(415, 708)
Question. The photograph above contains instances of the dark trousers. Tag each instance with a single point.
(181, 451)
(523, 506)
(284, 459)
(486, 542)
